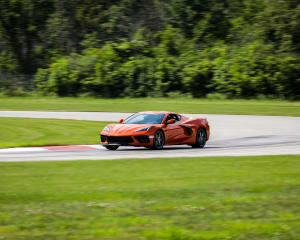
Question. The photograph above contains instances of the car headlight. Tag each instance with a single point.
(106, 129)
(144, 129)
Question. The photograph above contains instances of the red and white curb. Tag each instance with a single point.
(50, 148)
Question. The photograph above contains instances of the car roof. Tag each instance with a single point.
(154, 112)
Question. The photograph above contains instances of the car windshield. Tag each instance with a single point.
(145, 118)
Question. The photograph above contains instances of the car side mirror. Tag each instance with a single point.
(121, 120)
(171, 121)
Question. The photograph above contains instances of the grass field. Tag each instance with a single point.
(181, 105)
(181, 198)
(16, 132)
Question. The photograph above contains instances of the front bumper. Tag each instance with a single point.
(136, 140)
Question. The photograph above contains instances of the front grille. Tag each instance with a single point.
(103, 138)
(142, 139)
(120, 140)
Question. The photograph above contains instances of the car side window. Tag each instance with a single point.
(169, 117)
(174, 116)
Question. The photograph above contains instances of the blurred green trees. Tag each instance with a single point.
(137, 48)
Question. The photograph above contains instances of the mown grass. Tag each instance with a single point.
(181, 105)
(180, 198)
(16, 132)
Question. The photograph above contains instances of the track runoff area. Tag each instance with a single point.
(231, 135)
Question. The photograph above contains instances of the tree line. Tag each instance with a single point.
(138, 48)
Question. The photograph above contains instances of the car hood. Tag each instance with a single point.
(123, 129)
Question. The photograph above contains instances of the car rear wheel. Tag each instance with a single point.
(158, 140)
(200, 138)
(112, 147)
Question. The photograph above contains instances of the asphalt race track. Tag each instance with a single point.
(231, 135)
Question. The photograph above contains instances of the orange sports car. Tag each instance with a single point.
(156, 129)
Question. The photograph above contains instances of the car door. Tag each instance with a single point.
(174, 133)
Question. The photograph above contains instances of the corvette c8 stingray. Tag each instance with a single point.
(156, 129)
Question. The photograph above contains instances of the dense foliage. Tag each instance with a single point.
(225, 48)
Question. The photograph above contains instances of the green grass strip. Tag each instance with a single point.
(17, 132)
(181, 198)
(181, 105)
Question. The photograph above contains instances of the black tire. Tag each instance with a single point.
(112, 147)
(201, 138)
(158, 140)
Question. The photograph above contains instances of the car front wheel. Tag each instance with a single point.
(158, 140)
(112, 147)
